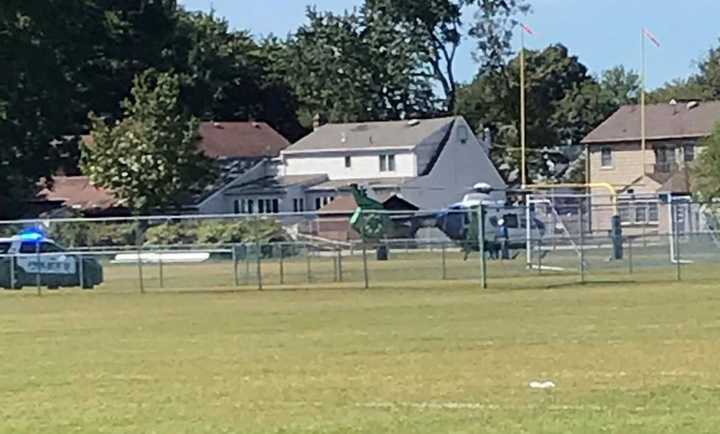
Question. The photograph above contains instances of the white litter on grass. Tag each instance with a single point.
(432, 405)
(541, 385)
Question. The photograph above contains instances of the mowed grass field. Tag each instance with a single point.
(414, 354)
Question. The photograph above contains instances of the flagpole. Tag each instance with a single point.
(642, 103)
(522, 109)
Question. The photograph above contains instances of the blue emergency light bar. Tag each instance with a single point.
(33, 234)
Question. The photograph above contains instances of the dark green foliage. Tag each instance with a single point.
(356, 67)
(149, 160)
(86, 234)
(563, 102)
(706, 179)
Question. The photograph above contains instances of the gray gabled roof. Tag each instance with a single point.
(369, 135)
(663, 121)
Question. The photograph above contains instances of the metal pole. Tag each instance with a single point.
(139, 241)
(481, 246)
(160, 271)
(364, 254)
(81, 269)
(235, 265)
(642, 103)
(335, 268)
(259, 267)
(340, 267)
(37, 268)
(282, 264)
(12, 271)
(539, 255)
(528, 233)
(309, 263)
(247, 263)
(444, 261)
(630, 255)
(581, 215)
(678, 262)
(523, 170)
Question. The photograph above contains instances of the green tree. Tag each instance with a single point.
(149, 159)
(706, 173)
(564, 102)
(41, 44)
(356, 66)
(495, 23)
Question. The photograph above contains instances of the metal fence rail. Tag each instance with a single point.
(167, 253)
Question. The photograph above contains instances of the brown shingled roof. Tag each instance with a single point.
(241, 140)
(663, 121)
(77, 192)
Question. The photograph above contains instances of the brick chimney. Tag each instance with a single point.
(318, 121)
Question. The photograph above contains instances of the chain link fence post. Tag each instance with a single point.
(139, 244)
(308, 265)
(236, 277)
(81, 269)
(444, 260)
(258, 249)
(364, 253)
(581, 218)
(340, 264)
(282, 263)
(481, 246)
(38, 264)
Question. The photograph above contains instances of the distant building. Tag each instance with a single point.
(241, 150)
(673, 135)
(430, 163)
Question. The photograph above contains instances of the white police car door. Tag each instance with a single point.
(47, 258)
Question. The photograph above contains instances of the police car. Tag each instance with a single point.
(31, 255)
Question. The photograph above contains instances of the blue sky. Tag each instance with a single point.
(603, 33)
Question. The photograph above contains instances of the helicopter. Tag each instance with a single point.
(460, 221)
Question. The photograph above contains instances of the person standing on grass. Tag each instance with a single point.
(502, 237)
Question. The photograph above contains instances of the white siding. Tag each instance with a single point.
(363, 165)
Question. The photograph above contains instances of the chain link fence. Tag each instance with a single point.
(538, 245)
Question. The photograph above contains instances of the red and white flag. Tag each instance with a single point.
(651, 37)
(527, 29)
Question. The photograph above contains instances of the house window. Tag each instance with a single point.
(688, 153)
(387, 163)
(237, 205)
(298, 205)
(653, 212)
(625, 211)
(348, 162)
(250, 207)
(640, 213)
(606, 158)
(323, 201)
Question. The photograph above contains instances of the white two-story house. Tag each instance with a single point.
(431, 163)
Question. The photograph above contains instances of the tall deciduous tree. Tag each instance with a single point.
(41, 45)
(357, 66)
(149, 159)
(495, 22)
(706, 177)
(564, 102)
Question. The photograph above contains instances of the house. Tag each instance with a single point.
(243, 152)
(430, 163)
(673, 134)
